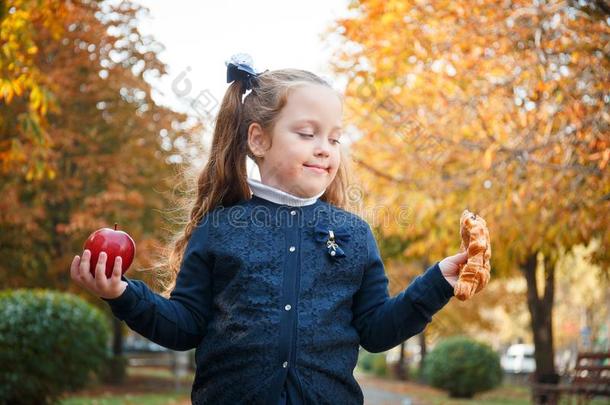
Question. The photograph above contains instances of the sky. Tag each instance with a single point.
(200, 36)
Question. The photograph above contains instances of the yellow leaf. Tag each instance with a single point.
(5, 90)
(605, 158)
(17, 88)
(35, 98)
(489, 155)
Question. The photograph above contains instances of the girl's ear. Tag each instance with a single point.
(257, 141)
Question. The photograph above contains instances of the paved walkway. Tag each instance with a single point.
(374, 394)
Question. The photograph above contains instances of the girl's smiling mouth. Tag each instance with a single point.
(317, 169)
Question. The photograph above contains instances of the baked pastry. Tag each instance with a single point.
(474, 275)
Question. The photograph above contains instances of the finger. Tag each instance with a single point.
(100, 271)
(116, 271)
(84, 273)
(74, 273)
(461, 257)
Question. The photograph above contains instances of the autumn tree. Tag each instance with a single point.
(499, 109)
(24, 140)
(114, 155)
(478, 317)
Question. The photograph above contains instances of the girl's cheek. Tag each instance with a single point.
(291, 169)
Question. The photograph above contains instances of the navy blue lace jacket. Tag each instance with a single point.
(276, 299)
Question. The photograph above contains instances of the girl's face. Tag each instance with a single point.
(304, 155)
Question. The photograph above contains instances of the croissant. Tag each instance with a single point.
(474, 275)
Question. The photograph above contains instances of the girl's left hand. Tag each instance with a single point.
(449, 266)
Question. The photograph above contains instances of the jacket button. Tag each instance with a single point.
(287, 307)
(293, 212)
(292, 248)
(285, 364)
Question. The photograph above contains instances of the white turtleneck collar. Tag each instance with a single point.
(278, 196)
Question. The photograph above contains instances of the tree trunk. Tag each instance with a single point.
(422, 352)
(401, 372)
(422, 344)
(117, 340)
(541, 313)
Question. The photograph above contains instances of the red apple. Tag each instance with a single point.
(114, 243)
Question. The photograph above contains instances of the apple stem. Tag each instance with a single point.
(115, 225)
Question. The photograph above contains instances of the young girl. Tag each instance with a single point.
(278, 289)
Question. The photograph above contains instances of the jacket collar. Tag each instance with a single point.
(278, 196)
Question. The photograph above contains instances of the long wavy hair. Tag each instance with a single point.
(222, 181)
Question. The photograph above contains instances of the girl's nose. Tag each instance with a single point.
(322, 148)
(321, 152)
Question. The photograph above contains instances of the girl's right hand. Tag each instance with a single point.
(99, 285)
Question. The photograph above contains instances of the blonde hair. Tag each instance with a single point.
(222, 181)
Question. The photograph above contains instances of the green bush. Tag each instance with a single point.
(462, 367)
(380, 367)
(372, 363)
(365, 361)
(50, 342)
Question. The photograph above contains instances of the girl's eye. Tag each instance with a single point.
(335, 141)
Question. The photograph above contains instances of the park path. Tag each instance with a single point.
(377, 391)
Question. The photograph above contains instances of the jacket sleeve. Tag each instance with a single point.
(180, 322)
(383, 322)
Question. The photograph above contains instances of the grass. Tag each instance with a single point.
(425, 395)
(156, 386)
(508, 393)
(143, 399)
(504, 395)
(144, 385)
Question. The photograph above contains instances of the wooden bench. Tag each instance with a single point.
(589, 378)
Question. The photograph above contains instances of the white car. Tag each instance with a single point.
(519, 358)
